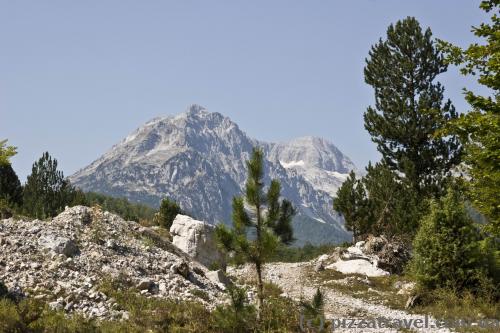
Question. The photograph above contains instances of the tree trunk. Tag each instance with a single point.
(260, 291)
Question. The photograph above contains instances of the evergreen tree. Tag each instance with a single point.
(479, 129)
(378, 203)
(10, 186)
(409, 106)
(352, 202)
(313, 313)
(46, 192)
(394, 206)
(269, 223)
(6, 152)
(447, 249)
(167, 213)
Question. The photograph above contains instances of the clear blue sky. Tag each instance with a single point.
(78, 76)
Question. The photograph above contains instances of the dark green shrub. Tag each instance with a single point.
(447, 248)
(167, 213)
(238, 316)
(46, 192)
(3, 290)
(10, 186)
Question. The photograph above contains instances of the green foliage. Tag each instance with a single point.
(351, 201)
(479, 129)
(6, 152)
(409, 107)
(33, 316)
(239, 316)
(167, 213)
(154, 314)
(11, 191)
(120, 206)
(447, 248)
(447, 304)
(379, 203)
(394, 204)
(161, 315)
(268, 227)
(46, 192)
(10, 186)
(3, 290)
(6, 210)
(313, 311)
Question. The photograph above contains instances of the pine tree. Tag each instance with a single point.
(167, 213)
(409, 106)
(479, 129)
(10, 186)
(269, 223)
(352, 202)
(379, 203)
(447, 249)
(394, 205)
(46, 192)
(6, 152)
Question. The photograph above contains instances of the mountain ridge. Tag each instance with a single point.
(198, 158)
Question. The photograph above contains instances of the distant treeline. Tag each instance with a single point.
(120, 206)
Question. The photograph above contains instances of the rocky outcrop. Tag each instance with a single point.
(65, 261)
(197, 239)
(377, 256)
(392, 255)
(353, 260)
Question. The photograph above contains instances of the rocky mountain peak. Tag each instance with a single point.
(195, 109)
(198, 158)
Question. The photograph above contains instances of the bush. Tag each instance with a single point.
(154, 314)
(167, 213)
(5, 209)
(10, 186)
(238, 316)
(32, 315)
(3, 290)
(313, 312)
(447, 248)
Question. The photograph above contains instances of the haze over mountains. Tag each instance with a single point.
(198, 158)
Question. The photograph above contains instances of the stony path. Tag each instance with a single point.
(292, 279)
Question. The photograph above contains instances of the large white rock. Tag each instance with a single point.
(357, 266)
(197, 239)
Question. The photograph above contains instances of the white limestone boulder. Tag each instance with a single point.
(357, 266)
(197, 239)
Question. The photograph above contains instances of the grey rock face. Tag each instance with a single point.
(199, 159)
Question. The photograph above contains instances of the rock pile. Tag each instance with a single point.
(374, 257)
(391, 255)
(65, 260)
